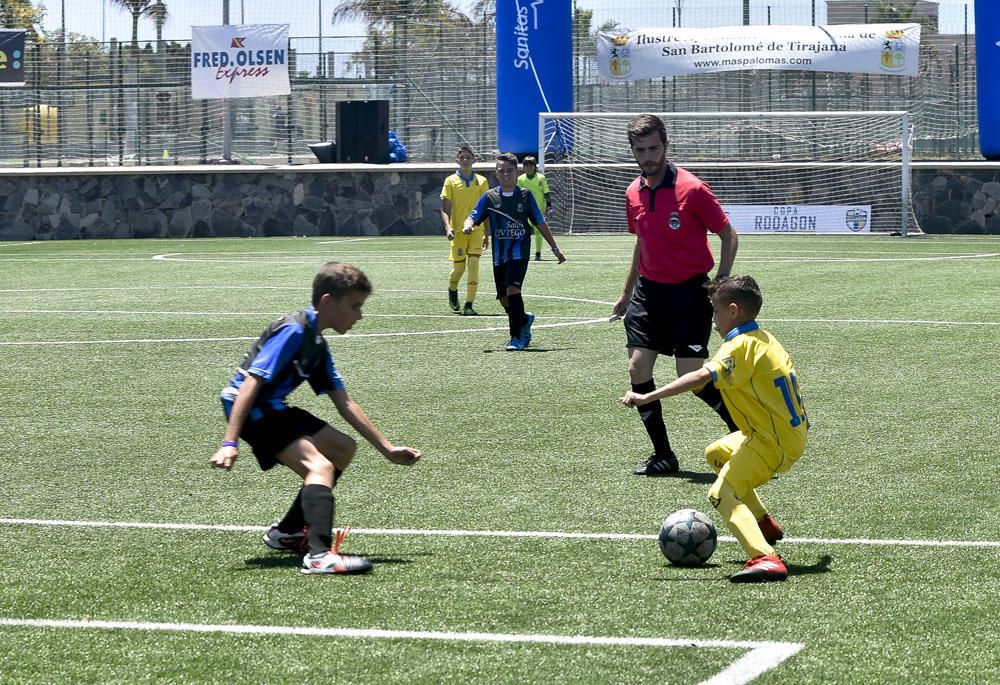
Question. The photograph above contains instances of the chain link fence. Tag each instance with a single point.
(109, 103)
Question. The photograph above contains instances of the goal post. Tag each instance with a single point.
(773, 172)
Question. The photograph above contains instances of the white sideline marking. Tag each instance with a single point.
(145, 312)
(493, 329)
(547, 534)
(398, 334)
(763, 656)
(307, 259)
(900, 322)
(345, 240)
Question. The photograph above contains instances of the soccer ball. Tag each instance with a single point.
(687, 538)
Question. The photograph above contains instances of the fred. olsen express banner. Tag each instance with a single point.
(631, 54)
(239, 61)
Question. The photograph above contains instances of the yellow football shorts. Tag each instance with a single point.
(744, 462)
(463, 245)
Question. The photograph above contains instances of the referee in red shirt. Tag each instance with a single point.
(665, 302)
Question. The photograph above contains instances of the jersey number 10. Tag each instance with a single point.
(798, 413)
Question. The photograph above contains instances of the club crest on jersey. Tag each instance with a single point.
(728, 366)
(675, 221)
(520, 207)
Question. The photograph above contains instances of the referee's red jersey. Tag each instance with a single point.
(672, 222)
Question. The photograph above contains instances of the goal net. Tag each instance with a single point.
(794, 172)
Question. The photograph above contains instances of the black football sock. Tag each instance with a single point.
(711, 396)
(515, 314)
(294, 520)
(652, 419)
(317, 505)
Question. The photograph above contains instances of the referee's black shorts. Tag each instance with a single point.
(276, 430)
(670, 318)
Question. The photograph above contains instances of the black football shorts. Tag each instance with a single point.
(276, 430)
(670, 318)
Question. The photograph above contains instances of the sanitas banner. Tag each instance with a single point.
(631, 54)
(241, 61)
(11, 58)
(534, 68)
(800, 218)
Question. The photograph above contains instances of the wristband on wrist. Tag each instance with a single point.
(230, 443)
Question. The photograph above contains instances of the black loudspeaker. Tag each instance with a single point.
(363, 131)
(326, 153)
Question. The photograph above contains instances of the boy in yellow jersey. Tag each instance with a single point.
(459, 196)
(758, 383)
(539, 187)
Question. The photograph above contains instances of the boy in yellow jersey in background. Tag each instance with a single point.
(758, 383)
(459, 196)
(539, 187)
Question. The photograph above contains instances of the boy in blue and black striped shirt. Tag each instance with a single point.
(509, 209)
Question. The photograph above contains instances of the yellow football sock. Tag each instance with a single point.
(755, 506)
(472, 282)
(456, 273)
(739, 519)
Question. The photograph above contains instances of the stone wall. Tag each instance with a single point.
(152, 202)
(313, 200)
(957, 198)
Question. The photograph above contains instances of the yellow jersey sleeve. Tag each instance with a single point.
(759, 385)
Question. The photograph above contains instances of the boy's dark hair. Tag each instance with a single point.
(743, 290)
(338, 279)
(530, 159)
(643, 125)
(465, 148)
(508, 157)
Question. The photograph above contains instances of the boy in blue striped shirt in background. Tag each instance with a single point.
(508, 209)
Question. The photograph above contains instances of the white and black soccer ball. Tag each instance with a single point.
(687, 538)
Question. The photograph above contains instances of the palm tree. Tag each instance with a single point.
(21, 14)
(155, 9)
(394, 21)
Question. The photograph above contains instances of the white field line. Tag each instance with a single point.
(134, 312)
(564, 298)
(576, 262)
(763, 656)
(461, 331)
(383, 260)
(433, 255)
(341, 242)
(544, 534)
(398, 334)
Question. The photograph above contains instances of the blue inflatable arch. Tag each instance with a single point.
(988, 76)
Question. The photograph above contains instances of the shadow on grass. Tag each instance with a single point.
(530, 349)
(821, 566)
(695, 476)
(691, 476)
(294, 560)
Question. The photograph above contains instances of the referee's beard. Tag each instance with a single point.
(654, 169)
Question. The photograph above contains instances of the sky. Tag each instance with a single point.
(103, 21)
